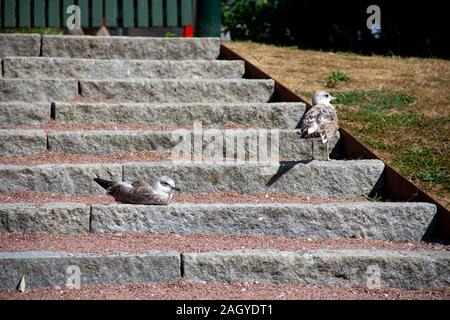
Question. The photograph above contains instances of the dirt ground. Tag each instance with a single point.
(420, 150)
(182, 289)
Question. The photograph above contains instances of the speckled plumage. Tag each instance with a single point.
(140, 192)
(320, 121)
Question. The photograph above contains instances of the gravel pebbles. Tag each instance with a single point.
(182, 289)
(40, 198)
(138, 242)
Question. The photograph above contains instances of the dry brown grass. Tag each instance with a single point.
(428, 80)
(307, 70)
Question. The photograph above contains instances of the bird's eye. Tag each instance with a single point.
(327, 95)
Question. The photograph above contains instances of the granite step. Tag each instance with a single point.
(287, 144)
(24, 114)
(149, 91)
(325, 179)
(282, 115)
(66, 68)
(44, 269)
(284, 144)
(368, 220)
(398, 269)
(373, 268)
(40, 90)
(51, 90)
(20, 45)
(148, 48)
(109, 47)
(22, 142)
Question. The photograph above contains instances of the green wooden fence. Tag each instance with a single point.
(115, 13)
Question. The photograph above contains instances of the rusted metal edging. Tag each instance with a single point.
(395, 186)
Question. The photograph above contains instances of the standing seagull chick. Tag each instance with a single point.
(140, 192)
(320, 121)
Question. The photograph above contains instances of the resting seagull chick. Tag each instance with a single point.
(140, 192)
(320, 121)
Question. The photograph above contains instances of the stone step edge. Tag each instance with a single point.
(370, 220)
(141, 90)
(45, 269)
(120, 131)
(38, 45)
(209, 115)
(137, 80)
(21, 67)
(149, 105)
(272, 165)
(304, 178)
(31, 142)
(405, 270)
(43, 58)
(381, 268)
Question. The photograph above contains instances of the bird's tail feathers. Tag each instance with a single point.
(307, 135)
(105, 184)
(302, 133)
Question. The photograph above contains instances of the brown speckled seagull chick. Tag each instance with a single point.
(140, 192)
(320, 121)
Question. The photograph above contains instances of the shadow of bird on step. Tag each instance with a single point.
(285, 166)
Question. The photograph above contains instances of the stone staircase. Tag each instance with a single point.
(75, 107)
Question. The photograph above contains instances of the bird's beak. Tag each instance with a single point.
(333, 98)
(176, 189)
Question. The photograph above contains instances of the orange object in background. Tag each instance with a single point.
(188, 31)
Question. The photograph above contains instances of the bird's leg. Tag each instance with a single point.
(328, 154)
(312, 149)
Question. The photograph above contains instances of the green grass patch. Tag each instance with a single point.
(377, 116)
(375, 100)
(378, 145)
(376, 123)
(170, 34)
(350, 97)
(422, 164)
(374, 110)
(337, 77)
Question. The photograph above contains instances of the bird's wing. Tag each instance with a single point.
(141, 187)
(328, 123)
(119, 188)
(137, 192)
(320, 120)
(310, 123)
(327, 114)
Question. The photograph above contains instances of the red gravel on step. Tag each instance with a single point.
(40, 198)
(139, 242)
(53, 125)
(273, 197)
(48, 157)
(80, 99)
(182, 289)
(62, 158)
